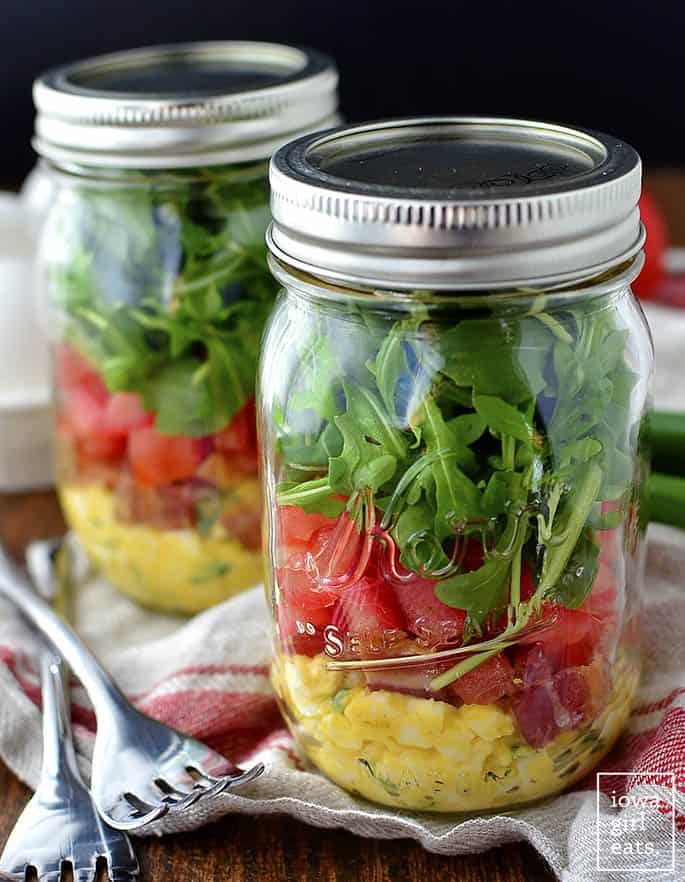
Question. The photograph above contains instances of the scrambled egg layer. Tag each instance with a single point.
(172, 570)
(427, 755)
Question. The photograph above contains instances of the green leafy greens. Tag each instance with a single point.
(508, 430)
(163, 284)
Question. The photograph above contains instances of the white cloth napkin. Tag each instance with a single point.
(209, 677)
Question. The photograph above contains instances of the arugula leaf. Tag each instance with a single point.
(375, 473)
(503, 357)
(502, 487)
(575, 583)
(467, 428)
(568, 527)
(581, 450)
(479, 592)
(419, 550)
(180, 400)
(457, 497)
(318, 380)
(503, 418)
(484, 591)
(312, 496)
(306, 451)
(368, 437)
(405, 368)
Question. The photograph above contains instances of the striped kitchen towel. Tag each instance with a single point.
(209, 677)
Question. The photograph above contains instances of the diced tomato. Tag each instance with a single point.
(654, 269)
(334, 557)
(605, 580)
(84, 401)
(95, 385)
(238, 440)
(240, 435)
(536, 714)
(71, 367)
(368, 607)
(426, 616)
(83, 412)
(301, 630)
(296, 526)
(487, 683)
(568, 636)
(574, 654)
(158, 459)
(300, 589)
(377, 567)
(473, 555)
(308, 562)
(98, 421)
(84, 408)
(100, 448)
(124, 412)
(339, 551)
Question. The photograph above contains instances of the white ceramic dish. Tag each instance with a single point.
(25, 413)
(25, 444)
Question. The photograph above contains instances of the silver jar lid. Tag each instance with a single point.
(183, 105)
(455, 203)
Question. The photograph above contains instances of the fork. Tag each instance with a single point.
(60, 829)
(142, 769)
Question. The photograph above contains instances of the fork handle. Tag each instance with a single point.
(58, 747)
(103, 692)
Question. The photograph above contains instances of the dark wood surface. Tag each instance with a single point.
(276, 849)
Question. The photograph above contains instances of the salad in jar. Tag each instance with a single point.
(158, 291)
(455, 537)
(155, 292)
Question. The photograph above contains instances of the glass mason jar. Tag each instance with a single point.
(157, 289)
(452, 390)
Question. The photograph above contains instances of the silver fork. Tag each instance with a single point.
(60, 825)
(142, 769)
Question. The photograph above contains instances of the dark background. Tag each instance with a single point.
(616, 65)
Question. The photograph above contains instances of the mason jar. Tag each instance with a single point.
(155, 290)
(452, 392)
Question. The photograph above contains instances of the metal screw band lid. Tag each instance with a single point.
(183, 105)
(455, 203)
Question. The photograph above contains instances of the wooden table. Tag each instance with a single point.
(274, 849)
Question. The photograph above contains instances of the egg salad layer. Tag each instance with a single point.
(170, 570)
(427, 755)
